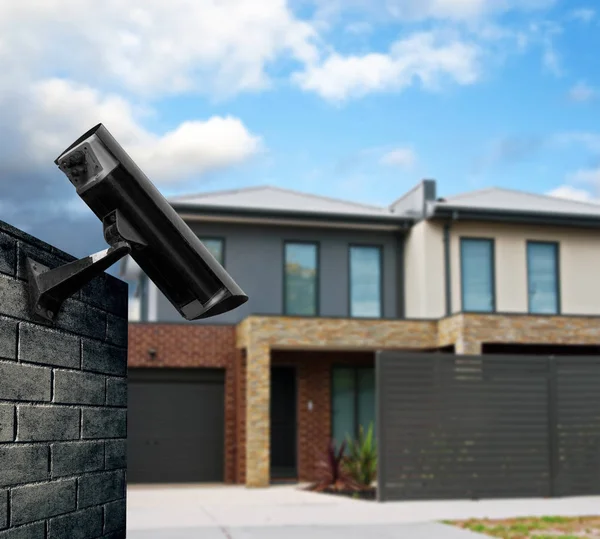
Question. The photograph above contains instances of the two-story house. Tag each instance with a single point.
(255, 394)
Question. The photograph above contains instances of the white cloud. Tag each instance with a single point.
(460, 10)
(425, 56)
(551, 60)
(589, 185)
(584, 15)
(359, 28)
(152, 47)
(572, 193)
(542, 35)
(581, 185)
(590, 176)
(67, 76)
(581, 92)
(399, 157)
(195, 147)
(58, 111)
(546, 34)
(589, 140)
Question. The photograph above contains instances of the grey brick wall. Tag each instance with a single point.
(63, 398)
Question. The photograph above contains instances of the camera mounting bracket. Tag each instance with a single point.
(49, 288)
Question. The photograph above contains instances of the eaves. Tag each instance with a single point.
(514, 216)
(273, 217)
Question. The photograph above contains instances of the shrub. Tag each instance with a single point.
(331, 471)
(361, 463)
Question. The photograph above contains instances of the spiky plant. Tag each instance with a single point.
(331, 471)
(361, 463)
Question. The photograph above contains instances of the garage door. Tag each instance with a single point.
(175, 425)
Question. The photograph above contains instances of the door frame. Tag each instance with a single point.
(295, 368)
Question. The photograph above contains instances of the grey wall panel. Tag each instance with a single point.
(254, 258)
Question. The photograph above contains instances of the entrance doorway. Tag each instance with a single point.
(283, 423)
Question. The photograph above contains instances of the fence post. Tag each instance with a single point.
(380, 420)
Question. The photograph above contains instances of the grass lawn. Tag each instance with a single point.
(535, 527)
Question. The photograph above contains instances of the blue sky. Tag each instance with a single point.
(357, 99)
(520, 123)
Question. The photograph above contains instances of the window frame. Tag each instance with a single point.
(557, 290)
(284, 298)
(379, 248)
(220, 239)
(492, 243)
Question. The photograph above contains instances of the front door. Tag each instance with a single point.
(283, 423)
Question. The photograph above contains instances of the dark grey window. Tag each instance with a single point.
(352, 401)
(542, 277)
(216, 248)
(301, 270)
(477, 274)
(142, 294)
(365, 281)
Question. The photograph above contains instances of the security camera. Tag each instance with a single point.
(138, 221)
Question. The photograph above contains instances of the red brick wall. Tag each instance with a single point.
(195, 345)
(192, 345)
(181, 345)
(314, 427)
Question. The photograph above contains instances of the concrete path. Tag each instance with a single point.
(385, 531)
(234, 512)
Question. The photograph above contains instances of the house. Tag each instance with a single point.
(254, 395)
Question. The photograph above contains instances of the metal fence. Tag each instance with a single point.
(487, 426)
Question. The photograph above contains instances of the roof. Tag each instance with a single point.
(267, 197)
(484, 203)
(494, 203)
(511, 200)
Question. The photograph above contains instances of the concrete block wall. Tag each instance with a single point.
(63, 398)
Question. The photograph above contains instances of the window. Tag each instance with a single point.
(301, 279)
(365, 282)
(215, 246)
(353, 401)
(477, 274)
(542, 277)
(142, 293)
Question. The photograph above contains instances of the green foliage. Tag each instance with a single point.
(361, 461)
(556, 520)
(548, 527)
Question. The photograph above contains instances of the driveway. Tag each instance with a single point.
(234, 512)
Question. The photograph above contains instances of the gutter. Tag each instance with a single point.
(516, 217)
(249, 213)
(447, 276)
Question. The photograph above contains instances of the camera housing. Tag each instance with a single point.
(138, 221)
